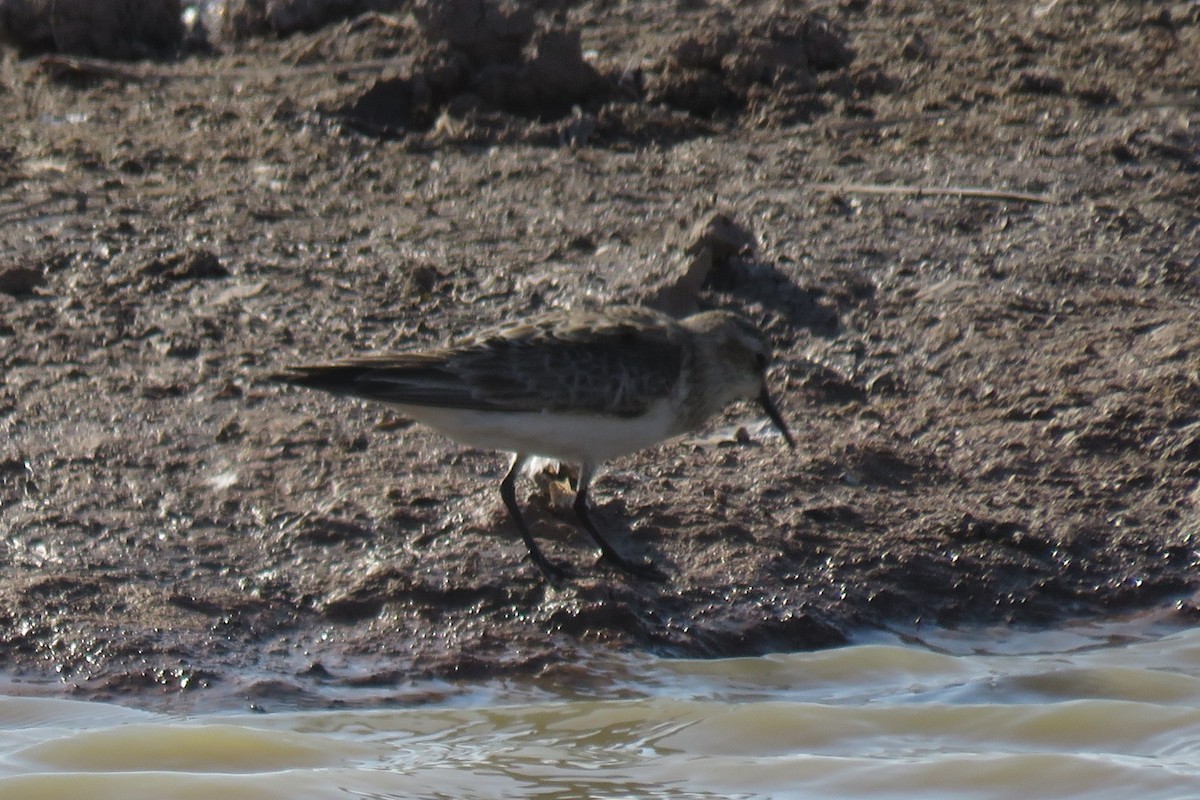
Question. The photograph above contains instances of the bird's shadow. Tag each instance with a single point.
(791, 306)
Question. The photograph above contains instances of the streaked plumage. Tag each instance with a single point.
(577, 386)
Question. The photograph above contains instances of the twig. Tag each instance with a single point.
(57, 65)
(934, 191)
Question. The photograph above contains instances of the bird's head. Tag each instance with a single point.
(737, 355)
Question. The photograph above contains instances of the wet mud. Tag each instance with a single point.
(972, 235)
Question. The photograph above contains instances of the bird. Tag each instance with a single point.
(580, 387)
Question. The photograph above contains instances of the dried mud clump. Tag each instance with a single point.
(484, 32)
(121, 29)
(479, 58)
(711, 247)
(719, 255)
(773, 62)
(236, 20)
(481, 63)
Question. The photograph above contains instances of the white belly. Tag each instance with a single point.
(573, 438)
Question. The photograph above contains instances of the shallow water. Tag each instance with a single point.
(1088, 712)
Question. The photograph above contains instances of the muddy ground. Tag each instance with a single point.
(972, 233)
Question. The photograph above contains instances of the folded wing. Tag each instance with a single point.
(587, 363)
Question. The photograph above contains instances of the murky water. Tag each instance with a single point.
(1090, 712)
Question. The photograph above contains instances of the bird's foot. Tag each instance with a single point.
(555, 572)
(646, 570)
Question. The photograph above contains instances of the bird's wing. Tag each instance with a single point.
(617, 364)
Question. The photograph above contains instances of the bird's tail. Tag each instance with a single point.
(335, 378)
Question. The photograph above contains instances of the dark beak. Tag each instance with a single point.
(764, 400)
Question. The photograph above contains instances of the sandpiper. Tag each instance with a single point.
(579, 387)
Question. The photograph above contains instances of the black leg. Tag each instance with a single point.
(552, 571)
(642, 569)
